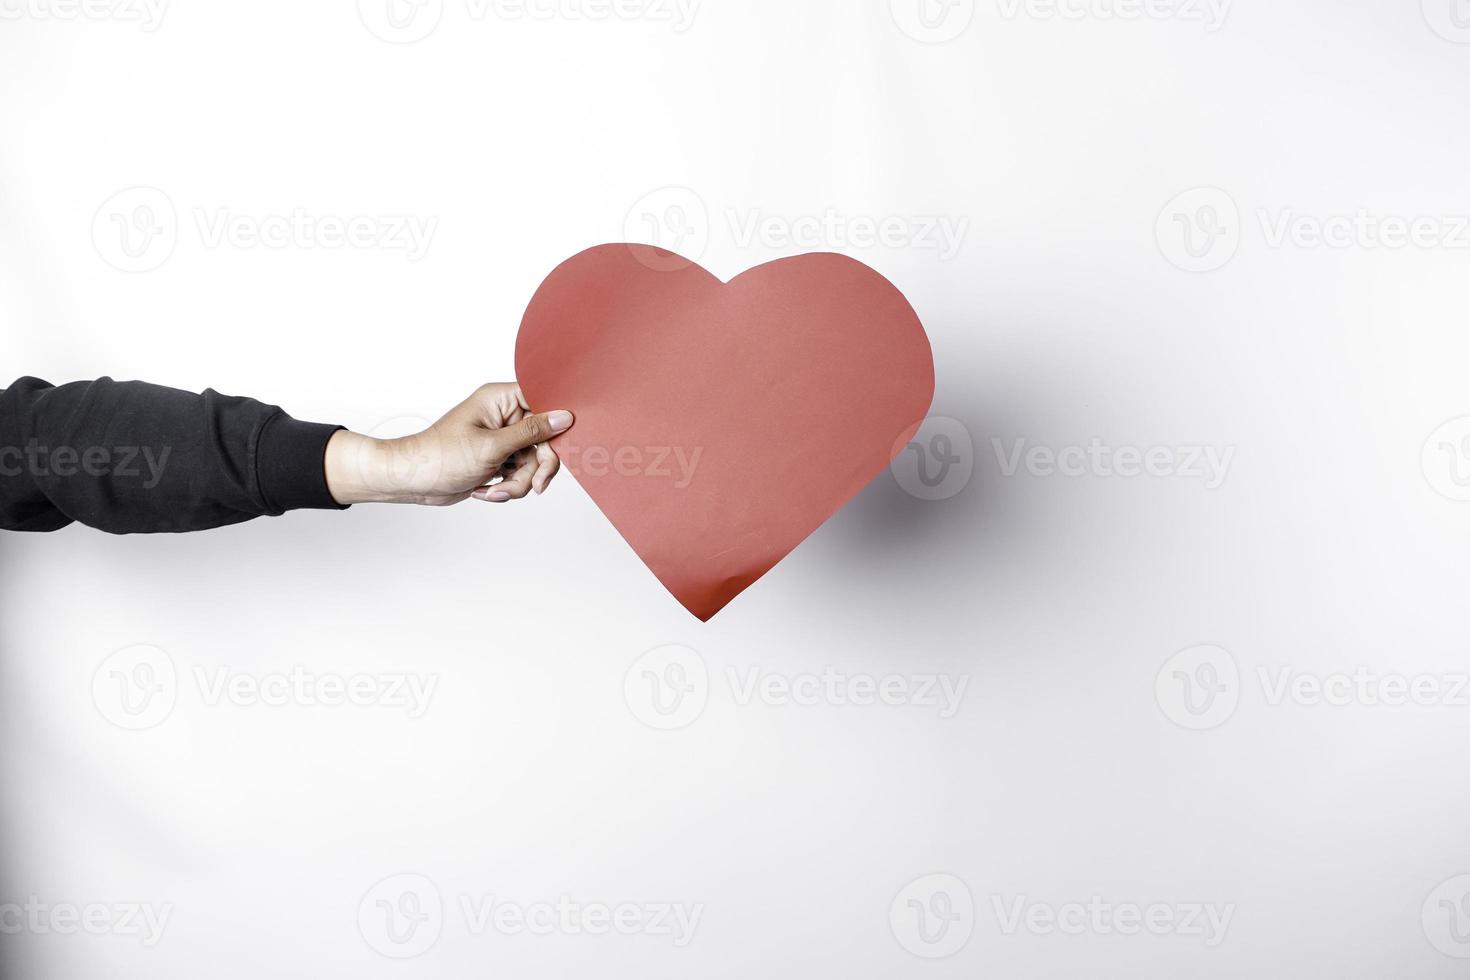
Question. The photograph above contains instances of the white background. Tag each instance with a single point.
(1332, 835)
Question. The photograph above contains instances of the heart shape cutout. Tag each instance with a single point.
(719, 424)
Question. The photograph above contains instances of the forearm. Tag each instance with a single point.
(426, 468)
(131, 457)
(363, 470)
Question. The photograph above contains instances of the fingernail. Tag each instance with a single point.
(499, 497)
(559, 421)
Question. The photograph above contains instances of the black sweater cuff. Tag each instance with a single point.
(290, 464)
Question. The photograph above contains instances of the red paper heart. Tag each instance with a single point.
(719, 424)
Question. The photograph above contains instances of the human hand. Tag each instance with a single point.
(489, 447)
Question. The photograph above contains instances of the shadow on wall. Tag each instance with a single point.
(938, 505)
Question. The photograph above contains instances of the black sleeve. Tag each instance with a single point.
(129, 457)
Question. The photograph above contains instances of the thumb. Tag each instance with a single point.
(530, 431)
